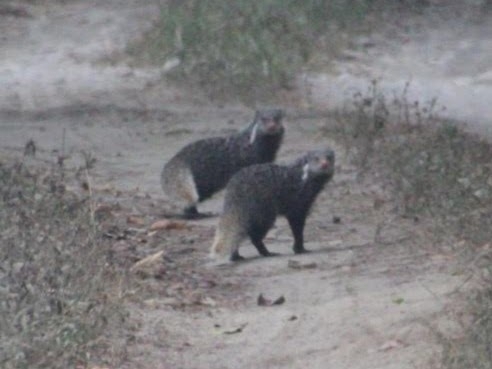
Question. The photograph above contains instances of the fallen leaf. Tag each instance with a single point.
(208, 301)
(132, 219)
(335, 243)
(147, 261)
(262, 301)
(152, 303)
(398, 300)
(279, 301)
(103, 211)
(294, 264)
(167, 224)
(171, 301)
(108, 188)
(389, 345)
(237, 330)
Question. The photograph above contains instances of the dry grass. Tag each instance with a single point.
(58, 289)
(474, 349)
(435, 172)
(432, 167)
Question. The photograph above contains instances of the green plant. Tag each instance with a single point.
(251, 48)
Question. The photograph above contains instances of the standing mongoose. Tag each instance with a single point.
(257, 194)
(204, 167)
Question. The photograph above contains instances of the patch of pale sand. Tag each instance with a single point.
(57, 64)
(358, 317)
(447, 59)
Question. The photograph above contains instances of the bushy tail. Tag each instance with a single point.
(227, 238)
(178, 184)
(218, 246)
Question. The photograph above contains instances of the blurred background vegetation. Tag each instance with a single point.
(253, 48)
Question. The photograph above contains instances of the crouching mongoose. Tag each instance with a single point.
(257, 194)
(204, 167)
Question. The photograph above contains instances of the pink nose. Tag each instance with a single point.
(271, 125)
(324, 164)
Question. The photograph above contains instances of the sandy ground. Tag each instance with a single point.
(373, 292)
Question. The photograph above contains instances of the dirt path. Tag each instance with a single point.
(375, 292)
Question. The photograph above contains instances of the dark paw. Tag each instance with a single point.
(269, 254)
(236, 257)
(197, 215)
(300, 250)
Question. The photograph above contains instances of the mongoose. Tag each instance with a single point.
(256, 195)
(204, 167)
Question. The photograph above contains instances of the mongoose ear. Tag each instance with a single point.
(305, 172)
(252, 137)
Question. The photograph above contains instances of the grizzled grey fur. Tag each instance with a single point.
(204, 167)
(256, 195)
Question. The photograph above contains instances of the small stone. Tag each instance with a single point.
(481, 193)
(465, 182)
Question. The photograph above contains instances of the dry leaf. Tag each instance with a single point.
(208, 301)
(262, 301)
(237, 330)
(389, 345)
(294, 264)
(108, 188)
(279, 301)
(167, 224)
(148, 261)
(132, 219)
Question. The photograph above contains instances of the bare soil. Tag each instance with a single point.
(372, 293)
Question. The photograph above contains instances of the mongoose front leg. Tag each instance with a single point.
(235, 256)
(297, 226)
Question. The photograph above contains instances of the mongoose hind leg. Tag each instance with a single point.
(256, 234)
(260, 246)
(191, 212)
(297, 226)
(258, 228)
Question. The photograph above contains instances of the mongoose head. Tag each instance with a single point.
(318, 164)
(268, 122)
